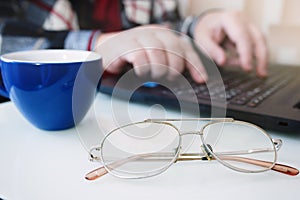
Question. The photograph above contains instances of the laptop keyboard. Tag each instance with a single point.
(240, 88)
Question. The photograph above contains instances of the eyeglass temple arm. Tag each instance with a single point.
(288, 170)
(101, 171)
(96, 173)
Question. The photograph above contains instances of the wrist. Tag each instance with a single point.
(195, 25)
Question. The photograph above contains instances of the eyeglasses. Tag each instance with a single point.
(148, 148)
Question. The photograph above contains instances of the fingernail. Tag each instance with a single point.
(263, 73)
(202, 78)
(221, 59)
(248, 67)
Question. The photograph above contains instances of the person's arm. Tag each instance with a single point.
(81, 39)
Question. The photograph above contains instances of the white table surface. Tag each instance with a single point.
(43, 165)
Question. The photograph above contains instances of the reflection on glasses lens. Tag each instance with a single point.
(240, 146)
(141, 149)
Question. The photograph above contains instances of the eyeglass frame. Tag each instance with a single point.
(208, 153)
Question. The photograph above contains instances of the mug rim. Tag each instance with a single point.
(36, 56)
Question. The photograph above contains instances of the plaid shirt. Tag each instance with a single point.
(54, 24)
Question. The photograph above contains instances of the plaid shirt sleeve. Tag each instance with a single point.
(67, 34)
(140, 12)
(135, 13)
(44, 24)
(84, 39)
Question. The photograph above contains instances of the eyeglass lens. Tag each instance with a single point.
(140, 150)
(148, 148)
(239, 145)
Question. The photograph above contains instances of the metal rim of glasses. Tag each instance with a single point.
(161, 170)
(201, 133)
(230, 166)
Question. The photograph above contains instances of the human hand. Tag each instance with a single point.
(153, 50)
(229, 39)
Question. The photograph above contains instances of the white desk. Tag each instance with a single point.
(45, 165)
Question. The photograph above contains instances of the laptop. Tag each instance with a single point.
(272, 103)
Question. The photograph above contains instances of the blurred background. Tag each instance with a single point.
(279, 20)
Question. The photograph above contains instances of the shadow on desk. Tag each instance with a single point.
(3, 99)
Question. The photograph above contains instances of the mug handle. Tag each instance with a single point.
(3, 91)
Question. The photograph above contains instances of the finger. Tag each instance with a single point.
(233, 62)
(193, 63)
(158, 63)
(139, 59)
(129, 52)
(156, 55)
(244, 51)
(174, 54)
(239, 35)
(176, 66)
(260, 51)
(115, 66)
(212, 48)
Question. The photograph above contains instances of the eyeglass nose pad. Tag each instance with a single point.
(207, 153)
(94, 154)
(277, 143)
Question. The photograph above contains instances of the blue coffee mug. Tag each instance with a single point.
(53, 89)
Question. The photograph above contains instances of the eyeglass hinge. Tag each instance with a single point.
(92, 157)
